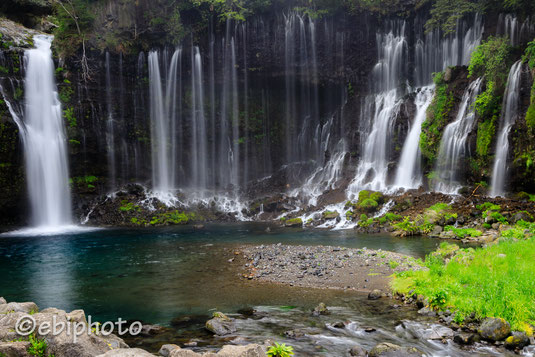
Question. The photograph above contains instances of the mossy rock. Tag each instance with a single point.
(294, 222)
(494, 329)
(331, 215)
(517, 340)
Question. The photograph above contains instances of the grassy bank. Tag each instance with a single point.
(497, 281)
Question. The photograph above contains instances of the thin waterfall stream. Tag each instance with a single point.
(511, 102)
(409, 173)
(453, 144)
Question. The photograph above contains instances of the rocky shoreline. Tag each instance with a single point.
(369, 270)
(324, 266)
(27, 331)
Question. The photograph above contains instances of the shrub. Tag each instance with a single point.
(407, 226)
(280, 350)
(392, 217)
(37, 346)
(364, 221)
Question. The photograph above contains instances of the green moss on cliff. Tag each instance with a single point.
(490, 60)
(485, 133)
(529, 57)
(437, 118)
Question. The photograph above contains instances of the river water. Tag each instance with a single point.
(157, 275)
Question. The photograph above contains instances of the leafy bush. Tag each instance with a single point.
(491, 59)
(407, 226)
(364, 221)
(280, 350)
(392, 217)
(438, 300)
(68, 113)
(37, 346)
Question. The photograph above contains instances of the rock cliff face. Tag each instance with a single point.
(288, 93)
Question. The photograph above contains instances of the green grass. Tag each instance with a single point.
(440, 207)
(463, 232)
(497, 281)
(393, 264)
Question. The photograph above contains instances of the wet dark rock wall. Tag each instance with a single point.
(346, 52)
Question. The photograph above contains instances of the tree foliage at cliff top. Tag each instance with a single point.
(159, 22)
(445, 14)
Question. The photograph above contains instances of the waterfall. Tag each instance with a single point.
(110, 127)
(43, 137)
(301, 87)
(434, 52)
(229, 139)
(199, 145)
(453, 144)
(509, 114)
(408, 173)
(212, 109)
(163, 115)
(379, 111)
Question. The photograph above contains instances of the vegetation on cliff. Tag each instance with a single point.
(490, 60)
(437, 118)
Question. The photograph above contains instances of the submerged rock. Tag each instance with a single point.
(321, 309)
(375, 295)
(386, 349)
(294, 334)
(166, 350)
(494, 329)
(221, 325)
(358, 351)
(252, 350)
(465, 338)
(517, 340)
(127, 352)
(426, 311)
